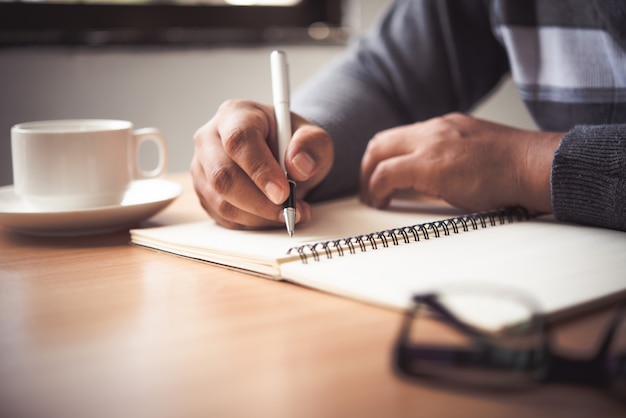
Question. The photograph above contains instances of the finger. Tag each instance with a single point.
(231, 193)
(227, 214)
(310, 154)
(238, 219)
(383, 147)
(395, 174)
(245, 137)
(231, 216)
(208, 197)
(232, 211)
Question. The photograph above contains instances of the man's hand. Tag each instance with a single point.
(235, 171)
(470, 163)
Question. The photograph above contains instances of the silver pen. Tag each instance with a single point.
(280, 95)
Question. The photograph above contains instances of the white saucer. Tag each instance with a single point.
(143, 199)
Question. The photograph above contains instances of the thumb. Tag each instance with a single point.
(310, 154)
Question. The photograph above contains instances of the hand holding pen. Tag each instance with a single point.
(235, 170)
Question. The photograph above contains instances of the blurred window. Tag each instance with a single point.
(203, 22)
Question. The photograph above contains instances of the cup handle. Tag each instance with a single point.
(154, 135)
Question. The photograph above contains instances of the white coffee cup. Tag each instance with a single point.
(79, 163)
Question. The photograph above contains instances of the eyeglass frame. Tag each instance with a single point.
(554, 367)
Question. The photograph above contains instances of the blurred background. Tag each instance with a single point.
(172, 76)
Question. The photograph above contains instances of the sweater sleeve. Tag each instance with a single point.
(424, 58)
(588, 176)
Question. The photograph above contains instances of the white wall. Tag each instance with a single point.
(174, 89)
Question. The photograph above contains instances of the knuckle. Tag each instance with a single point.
(225, 209)
(320, 147)
(439, 124)
(234, 140)
(453, 116)
(378, 138)
(200, 134)
(238, 107)
(227, 106)
(238, 138)
(259, 170)
(223, 178)
(373, 151)
(456, 122)
(377, 141)
(381, 176)
(239, 123)
(448, 128)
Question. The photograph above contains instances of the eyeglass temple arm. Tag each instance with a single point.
(610, 331)
(451, 319)
(586, 371)
(490, 358)
(459, 356)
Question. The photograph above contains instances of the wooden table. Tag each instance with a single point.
(95, 327)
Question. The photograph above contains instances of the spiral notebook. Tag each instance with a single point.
(384, 256)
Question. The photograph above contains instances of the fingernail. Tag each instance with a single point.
(275, 193)
(304, 164)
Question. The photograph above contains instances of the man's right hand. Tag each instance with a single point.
(236, 173)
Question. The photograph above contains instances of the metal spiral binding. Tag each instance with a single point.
(413, 233)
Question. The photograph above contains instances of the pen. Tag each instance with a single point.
(280, 95)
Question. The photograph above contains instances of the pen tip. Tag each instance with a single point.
(290, 218)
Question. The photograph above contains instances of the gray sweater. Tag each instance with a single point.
(426, 58)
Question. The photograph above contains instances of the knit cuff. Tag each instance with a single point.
(588, 176)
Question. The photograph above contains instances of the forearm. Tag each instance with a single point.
(424, 59)
(351, 112)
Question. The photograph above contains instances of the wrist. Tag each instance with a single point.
(535, 188)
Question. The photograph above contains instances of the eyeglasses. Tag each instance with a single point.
(493, 340)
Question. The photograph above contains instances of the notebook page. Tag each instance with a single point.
(560, 265)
